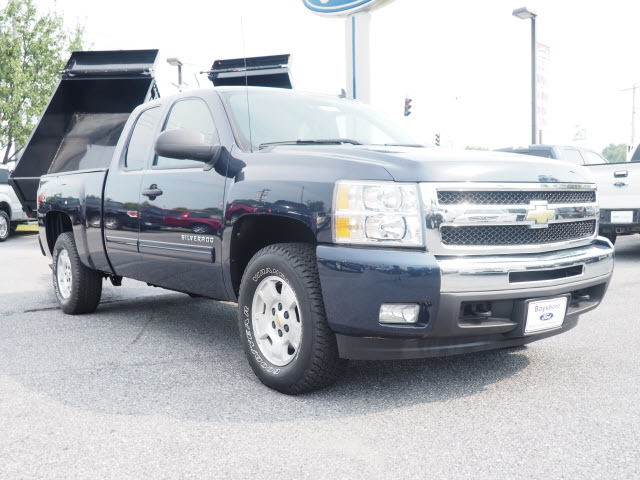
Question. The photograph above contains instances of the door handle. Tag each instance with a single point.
(620, 173)
(152, 192)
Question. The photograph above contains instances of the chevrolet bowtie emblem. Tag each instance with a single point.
(541, 214)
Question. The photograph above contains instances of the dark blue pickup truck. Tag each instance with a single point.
(337, 235)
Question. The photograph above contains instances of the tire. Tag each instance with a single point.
(79, 289)
(14, 227)
(310, 361)
(5, 226)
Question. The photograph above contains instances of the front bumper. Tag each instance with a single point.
(356, 281)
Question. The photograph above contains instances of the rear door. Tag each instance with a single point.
(181, 211)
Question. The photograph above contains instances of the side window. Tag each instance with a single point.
(572, 155)
(141, 139)
(190, 114)
(4, 176)
(592, 158)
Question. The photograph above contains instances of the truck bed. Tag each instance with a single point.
(84, 118)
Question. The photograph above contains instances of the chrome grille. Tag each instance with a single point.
(495, 218)
(449, 197)
(516, 234)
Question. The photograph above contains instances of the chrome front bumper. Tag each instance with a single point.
(496, 272)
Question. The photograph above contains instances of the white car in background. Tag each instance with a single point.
(618, 184)
(11, 213)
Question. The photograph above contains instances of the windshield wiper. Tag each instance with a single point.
(330, 141)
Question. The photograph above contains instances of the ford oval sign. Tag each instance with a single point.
(342, 7)
(546, 316)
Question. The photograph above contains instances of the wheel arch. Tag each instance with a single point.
(6, 207)
(253, 232)
(56, 223)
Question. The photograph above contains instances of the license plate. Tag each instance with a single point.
(545, 314)
(622, 217)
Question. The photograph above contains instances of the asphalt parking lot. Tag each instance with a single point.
(155, 385)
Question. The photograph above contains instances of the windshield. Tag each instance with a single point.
(286, 116)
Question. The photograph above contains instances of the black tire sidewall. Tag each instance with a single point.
(278, 377)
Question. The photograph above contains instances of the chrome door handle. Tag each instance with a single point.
(621, 173)
(152, 192)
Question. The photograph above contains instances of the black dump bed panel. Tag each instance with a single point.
(267, 71)
(85, 116)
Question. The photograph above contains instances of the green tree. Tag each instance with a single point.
(615, 153)
(33, 50)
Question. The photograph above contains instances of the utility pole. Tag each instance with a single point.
(633, 112)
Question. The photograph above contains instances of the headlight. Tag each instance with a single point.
(380, 213)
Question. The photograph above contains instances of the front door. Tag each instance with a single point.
(181, 213)
(122, 194)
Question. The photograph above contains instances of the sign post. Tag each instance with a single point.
(543, 55)
(357, 36)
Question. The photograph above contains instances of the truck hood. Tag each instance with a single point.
(410, 164)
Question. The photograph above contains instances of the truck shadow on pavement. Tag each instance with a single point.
(174, 356)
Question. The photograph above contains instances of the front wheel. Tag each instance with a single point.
(78, 288)
(282, 321)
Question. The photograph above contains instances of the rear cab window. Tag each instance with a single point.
(141, 139)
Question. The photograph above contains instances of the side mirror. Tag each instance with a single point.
(186, 145)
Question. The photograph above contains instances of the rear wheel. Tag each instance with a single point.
(78, 288)
(5, 226)
(282, 321)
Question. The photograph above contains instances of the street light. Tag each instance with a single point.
(174, 62)
(524, 13)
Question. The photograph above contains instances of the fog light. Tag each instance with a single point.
(399, 313)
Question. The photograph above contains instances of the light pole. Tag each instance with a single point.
(524, 13)
(174, 62)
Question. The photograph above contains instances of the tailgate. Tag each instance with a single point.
(618, 185)
(82, 123)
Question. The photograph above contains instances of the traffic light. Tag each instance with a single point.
(407, 107)
(437, 139)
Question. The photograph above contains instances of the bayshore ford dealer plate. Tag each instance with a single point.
(545, 314)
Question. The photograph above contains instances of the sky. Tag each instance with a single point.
(465, 64)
